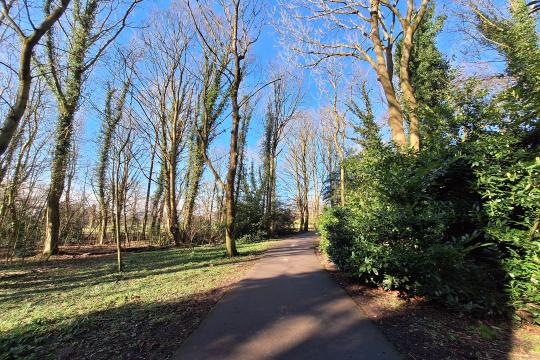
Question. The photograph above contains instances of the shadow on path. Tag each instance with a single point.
(287, 307)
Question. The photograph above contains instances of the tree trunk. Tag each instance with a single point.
(342, 183)
(110, 121)
(148, 187)
(231, 173)
(196, 172)
(123, 198)
(15, 113)
(117, 219)
(233, 146)
(157, 203)
(119, 263)
(214, 188)
(272, 199)
(305, 187)
(172, 210)
(104, 221)
(395, 113)
(306, 216)
(64, 133)
(408, 92)
(302, 209)
(13, 191)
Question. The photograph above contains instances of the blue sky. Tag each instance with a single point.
(266, 51)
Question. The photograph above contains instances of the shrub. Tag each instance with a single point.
(255, 237)
(509, 182)
(336, 237)
(417, 224)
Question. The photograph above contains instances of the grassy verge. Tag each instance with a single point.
(81, 308)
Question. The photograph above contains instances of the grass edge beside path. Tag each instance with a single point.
(81, 308)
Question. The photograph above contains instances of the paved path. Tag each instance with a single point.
(287, 307)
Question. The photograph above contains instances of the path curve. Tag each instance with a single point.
(287, 307)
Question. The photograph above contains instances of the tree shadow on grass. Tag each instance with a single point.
(132, 331)
(55, 276)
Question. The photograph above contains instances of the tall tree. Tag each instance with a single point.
(329, 159)
(237, 30)
(213, 100)
(335, 118)
(281, 109)
(168, 96)
(300, 145)
(111, 117)
(121, 156)
(247, 114)
(366, 31)
(84, 32)
(28, 43)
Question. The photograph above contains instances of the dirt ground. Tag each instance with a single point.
(425, 331)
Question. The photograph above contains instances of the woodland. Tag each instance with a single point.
(160, 138)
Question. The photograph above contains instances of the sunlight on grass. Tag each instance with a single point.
(64, 296)
(525, 343)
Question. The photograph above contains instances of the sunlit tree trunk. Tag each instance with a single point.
(64, 133)
(157, 205)
(230, 191)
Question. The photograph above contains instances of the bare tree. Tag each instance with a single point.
(88, 36)
(168, 97)
(235, 26)
(329, 156)
(334, 116)
(28, 43)
(148, 189)
(121, 158)
(111, 118)
(300, 145)
(366, 30)
(282, 107)
(315, 170)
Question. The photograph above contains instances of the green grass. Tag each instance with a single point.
(82, 308)
(484, 331)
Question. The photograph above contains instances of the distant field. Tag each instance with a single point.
(73, 308)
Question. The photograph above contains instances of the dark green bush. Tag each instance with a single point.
(457, 222)
(336, 237)
(432, 225)
(509, 182)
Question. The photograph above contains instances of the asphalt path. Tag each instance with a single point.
(287, 307)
